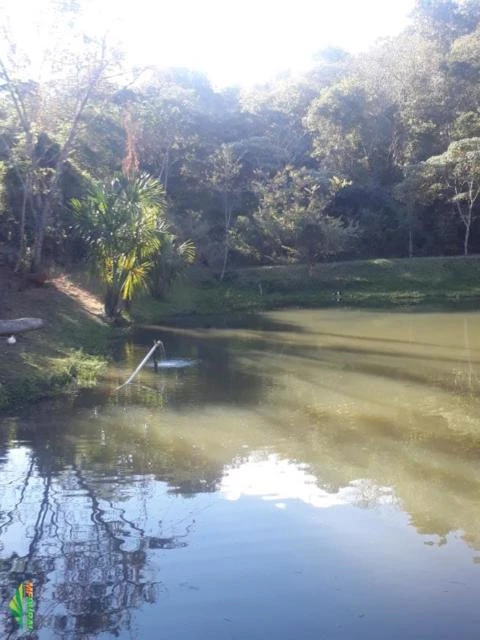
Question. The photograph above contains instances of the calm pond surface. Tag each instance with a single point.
(313, 475)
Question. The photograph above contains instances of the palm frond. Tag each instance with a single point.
(187, 251)
(135, 277)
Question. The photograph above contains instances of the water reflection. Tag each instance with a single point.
(311, 456)
(271, 478)
(70, 531)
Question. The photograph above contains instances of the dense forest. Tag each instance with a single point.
(147, 170)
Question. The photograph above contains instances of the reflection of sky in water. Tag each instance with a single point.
(264, 556)
(271, 478)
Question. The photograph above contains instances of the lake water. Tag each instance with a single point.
(312, 475)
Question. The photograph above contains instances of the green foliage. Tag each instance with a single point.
(76, 370)
(464, 56)
(170, 264)
(231, 162)
(458, 180)
(291, 223)
(121, 221)
(321, 236)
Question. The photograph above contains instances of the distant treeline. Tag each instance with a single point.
(372, 155)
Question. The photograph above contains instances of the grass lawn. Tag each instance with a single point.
(417, 282)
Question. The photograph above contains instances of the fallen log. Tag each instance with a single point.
(19, 325)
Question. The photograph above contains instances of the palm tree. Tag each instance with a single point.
(169, 264)
(121, 222)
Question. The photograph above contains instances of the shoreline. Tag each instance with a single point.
(73, 348)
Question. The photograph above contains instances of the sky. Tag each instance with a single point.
(237, 43)
(253, 40)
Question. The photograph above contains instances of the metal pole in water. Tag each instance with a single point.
(143, 362)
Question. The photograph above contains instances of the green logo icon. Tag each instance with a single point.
(21, 605)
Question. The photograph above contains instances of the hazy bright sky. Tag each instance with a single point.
(250, 41)
(241, 42)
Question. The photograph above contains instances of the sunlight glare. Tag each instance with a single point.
(232, 43)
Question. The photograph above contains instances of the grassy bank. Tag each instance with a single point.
(68, 353)
(416, 282)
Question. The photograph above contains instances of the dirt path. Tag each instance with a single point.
(85, 299)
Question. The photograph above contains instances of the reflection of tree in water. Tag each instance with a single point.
(430, 459)
(88, 560)
(370, 495)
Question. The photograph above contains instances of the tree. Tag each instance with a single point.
(458, 176)
(413, 193)
(48, 114)
(292, 224)
(121, 221)
(405, 78)
(320, 236)
(352, 131)
(464, 56)
(169, 264)
(225, 170)
(168, 115)
(278, 111)
(445, 20)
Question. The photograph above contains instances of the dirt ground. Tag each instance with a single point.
(44, 361)
(20, 298)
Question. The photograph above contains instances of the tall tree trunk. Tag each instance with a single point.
(225, 257)
(466, 218)
(468, 224)
(466, 238)
(23, 213)
(228, 215)
(42, 220)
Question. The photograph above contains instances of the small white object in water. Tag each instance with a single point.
(338, 296)
(11, 340)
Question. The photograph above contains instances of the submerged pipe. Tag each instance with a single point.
(156, 344)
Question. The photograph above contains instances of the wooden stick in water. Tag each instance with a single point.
(142, 364)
